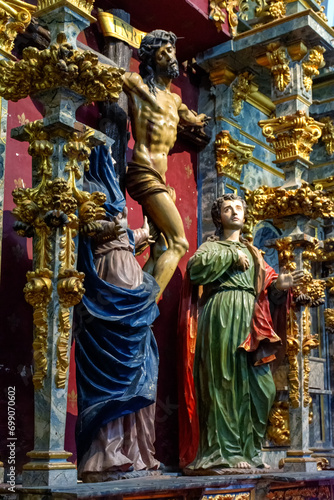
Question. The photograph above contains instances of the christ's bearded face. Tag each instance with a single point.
(166, 62)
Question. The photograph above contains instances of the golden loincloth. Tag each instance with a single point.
(142, 181)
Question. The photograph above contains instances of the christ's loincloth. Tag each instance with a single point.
(142, 181)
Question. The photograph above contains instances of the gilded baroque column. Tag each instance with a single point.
(54, 211)
(14, 18)
(292, 132)
(293, 210)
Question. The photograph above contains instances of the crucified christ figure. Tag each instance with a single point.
(155, 114)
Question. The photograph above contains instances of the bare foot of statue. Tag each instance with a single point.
(243, 465)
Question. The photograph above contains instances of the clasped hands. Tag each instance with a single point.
(121, 226)
(284, 280)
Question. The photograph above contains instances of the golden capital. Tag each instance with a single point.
(292, 136)
(231, 155)
(15, 16)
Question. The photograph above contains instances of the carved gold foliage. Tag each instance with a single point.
(329, 320)
(330, 285)
(309, 342)
(78, 149)
(292, 136)
(42, 210)
(293, 348)
(266, 202)
(277, 59)
(242, 88)
(83, 5)
(70, 292)
(323, 253)
(310, 291)
(278, 428)
(59, 66)
(38, 292)
(231, 155)
(14, 18)
(312, 64)
(319, 492)
(285, 251)
(328, 134)
(217, 12)
(228, 496)
(276, 9)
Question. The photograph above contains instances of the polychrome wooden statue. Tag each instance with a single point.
(235, 343)
(155, 114)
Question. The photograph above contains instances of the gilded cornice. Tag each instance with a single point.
(82, 7)
(277, 22)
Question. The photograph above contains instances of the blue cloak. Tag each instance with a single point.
(116, 353)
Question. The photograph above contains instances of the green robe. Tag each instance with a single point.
(234, 397)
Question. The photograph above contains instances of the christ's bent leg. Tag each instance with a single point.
(163, 212)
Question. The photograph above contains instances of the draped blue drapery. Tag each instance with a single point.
(116, 352)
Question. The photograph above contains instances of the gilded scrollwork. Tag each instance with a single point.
(309, 342)
(293, 348)
(231, 155)
(53, 205)
(232, 7)
(292, 135)
(311, 65)
(228, 496)
(305, 493)
(38, 293)
(70, 292)
(14, 18)
(242, 88)
(329, 320)
(278, 428)
(59, 66)
(328, 134)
